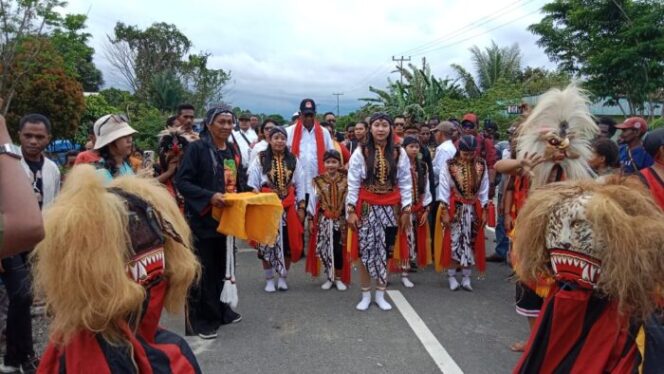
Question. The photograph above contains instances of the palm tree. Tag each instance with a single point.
(491, 65)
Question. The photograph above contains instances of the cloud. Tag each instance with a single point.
(282, 51)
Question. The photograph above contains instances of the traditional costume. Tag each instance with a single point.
(282, 174)
(419, 237)
(326, 207)
(464, 194)
(126, 248)
(172, 143)
(560, 129)
(603, 244)
(379, 190)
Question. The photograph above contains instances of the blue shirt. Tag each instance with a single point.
(123, 170)
(641, 158)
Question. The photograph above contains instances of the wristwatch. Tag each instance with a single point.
(11, 150)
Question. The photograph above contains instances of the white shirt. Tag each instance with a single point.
(256, 179)
(444, 152)
(258, 148)
(309, 153)
(245, 147)
(357, 172)
(50, 175)
(444, 190)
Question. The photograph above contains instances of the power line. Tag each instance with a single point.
(401, 61)
(476, 35)
(469, 27)
(337, 94)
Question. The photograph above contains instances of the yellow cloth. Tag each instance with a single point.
(250, 216)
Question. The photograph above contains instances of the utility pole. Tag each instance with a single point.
(337, 94)
(401, 61)
(424, 64)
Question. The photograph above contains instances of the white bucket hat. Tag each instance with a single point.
(110, 128)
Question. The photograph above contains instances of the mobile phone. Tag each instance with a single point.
(148, 159)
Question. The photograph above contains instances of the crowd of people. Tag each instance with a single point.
(392, 194)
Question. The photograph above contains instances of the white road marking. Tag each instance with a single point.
(439, 355)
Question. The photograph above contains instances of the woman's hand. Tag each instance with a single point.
(353, 221)
(423, 218)
(300, 215)
(405, 221)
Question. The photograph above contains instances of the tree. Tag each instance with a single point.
(620, 53)
(204, 85)
(536, 81)
(20, 20)
(421, 88)
(152, 63)
(491, 65)
(49, 90)
(72, 43)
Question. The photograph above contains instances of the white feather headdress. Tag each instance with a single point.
(560, 122)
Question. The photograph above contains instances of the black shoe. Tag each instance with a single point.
(237, 319)
(495, 258)
(30, 365)
(207, 335)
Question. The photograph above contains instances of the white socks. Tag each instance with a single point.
(340, 285)
(327, 285)
(451, 277)
(269, 286)
(366, 300)
(465, 282)
(406, 282)
(281, 284)
(380, 300)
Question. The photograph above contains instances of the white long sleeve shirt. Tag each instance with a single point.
(309, 153)
(258, 148)
(245, 144)
(256, 179)
(445, 151)
(444, 190)
(357, 172)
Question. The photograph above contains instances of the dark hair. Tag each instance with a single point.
(267, 155)
(108, 161)
(391, 153)
(166, 144)
(610, 123)
(35, 118)
(327, 125)
(170, 121)
(609, 150)
(262, 127)
(366, 125)
(427, 124)
(328, 113)
(182, 107)
(348, 126)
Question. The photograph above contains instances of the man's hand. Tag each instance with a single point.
(529, 162)
(353, 221)
(423, 218)
(445, 219)
(300, 215)
(217, 200)
(405, 222)
(508, 223)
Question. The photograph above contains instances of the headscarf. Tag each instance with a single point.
(467, 143)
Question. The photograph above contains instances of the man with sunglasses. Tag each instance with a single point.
(211, 167)
(485, 149)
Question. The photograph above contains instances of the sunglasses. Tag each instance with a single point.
(118, 117)
(467, 126)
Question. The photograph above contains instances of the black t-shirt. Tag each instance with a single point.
(37, 181)
(226, 158)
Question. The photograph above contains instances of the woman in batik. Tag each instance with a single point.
(328, 224)
(463, 193)
(278, 170)
(418, 235)
(378, 203)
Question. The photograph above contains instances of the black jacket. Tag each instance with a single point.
(426, 157)
(197, 182)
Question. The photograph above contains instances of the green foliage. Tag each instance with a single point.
(203, 85)
(96, 106)
(166, 91)
(536, 81)
(491, 65)
(49, 90)
(71, 42)
(117, 98)
(617, 46)
(277, 118)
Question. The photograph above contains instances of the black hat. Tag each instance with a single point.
(308, 106)
(467, 143)
(410, 140)
(653, 141)
(244, 116)
(331, 153)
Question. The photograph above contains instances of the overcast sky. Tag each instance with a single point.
(279, 52)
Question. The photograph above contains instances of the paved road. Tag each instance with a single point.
(308, 330)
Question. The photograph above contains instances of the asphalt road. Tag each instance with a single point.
(308, 330)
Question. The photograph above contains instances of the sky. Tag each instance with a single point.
(279, 52)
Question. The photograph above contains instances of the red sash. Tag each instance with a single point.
(422, 234)
(320, 143)
(293, 224)
(392, 198)
(479, 248)
(655, 185)
(313, 265)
